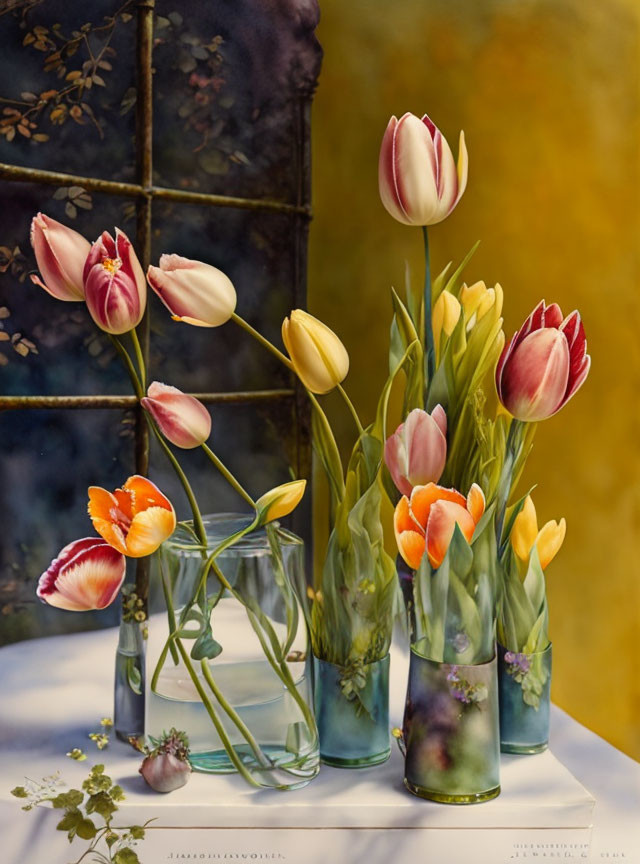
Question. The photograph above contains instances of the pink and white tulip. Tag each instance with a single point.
(544, 364)
(114, 285)
(182, 419)
(417, 451)
(60, 253)
(419, 181)
(87, 574)
(192, 291)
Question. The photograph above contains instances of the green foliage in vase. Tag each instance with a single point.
(354, 603)
(455, 603)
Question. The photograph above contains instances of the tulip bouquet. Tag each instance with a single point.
(465, 566)
(135, 520)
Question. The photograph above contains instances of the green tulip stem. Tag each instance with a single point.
(428, 323)
(263, 341)
(228, 476)
(351, 408)
(228, 746)
(131, 369)
(198, 524)
(139, 358)
(506, 477)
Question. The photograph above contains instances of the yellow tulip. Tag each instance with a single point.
(319, 358)
(477, 300)
(280, 501)
(525, 535)
(444, 318)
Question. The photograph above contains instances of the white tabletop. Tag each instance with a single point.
(56, 690)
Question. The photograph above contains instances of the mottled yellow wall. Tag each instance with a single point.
(547, 93)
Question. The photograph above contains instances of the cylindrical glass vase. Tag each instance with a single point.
(525, 700)
(128, 709)
(450, 734)
(352, 713)
(233, 674)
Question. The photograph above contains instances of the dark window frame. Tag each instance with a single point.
(145, 193)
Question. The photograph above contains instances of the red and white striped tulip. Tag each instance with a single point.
(192, 291)
(419, 181)
(417, 451)
(182, 419)
(427, 519)
(114, 285)
(87, 574)
(544, 364)
(60, 253)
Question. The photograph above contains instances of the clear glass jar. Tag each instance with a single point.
(227, 652)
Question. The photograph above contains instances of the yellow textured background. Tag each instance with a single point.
(547, 93)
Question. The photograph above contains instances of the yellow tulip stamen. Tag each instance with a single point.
(112, 265)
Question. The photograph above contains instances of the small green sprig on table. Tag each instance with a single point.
(98, 800)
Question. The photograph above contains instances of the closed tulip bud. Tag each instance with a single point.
(182, 419)
(87, 574)
(319, 358)
(445, 316)
(417, 175)
(114, 284)
(417, 451)
(192, 291)
(544, 364)
(525, 535)
(281, 501)
(60, 253)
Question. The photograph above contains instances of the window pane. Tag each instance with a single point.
(73, 356)
(67, 73)
(48, 459)
(226, 95)
(255, 249)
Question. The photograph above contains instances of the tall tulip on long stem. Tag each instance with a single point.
(420, 184)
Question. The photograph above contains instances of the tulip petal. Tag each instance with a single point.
(395, 457)
(149, 529)
(550, 540)
(423, 497)
(411, 546)
(414, 170)
(403, 519)
(60, 254)
(386, 176)
(524, 530)
(476, 502)
(146, 494)
(440, 417)
(462, 168)
(443, 517)
(552, 316)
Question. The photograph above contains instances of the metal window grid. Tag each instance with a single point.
(144, 192)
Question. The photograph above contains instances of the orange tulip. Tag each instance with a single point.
(428, 518)
(135, 520)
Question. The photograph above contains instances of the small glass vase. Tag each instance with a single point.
(128, 709)
(525, 700)
(233, 675)
(450, 736)
(352, 713)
